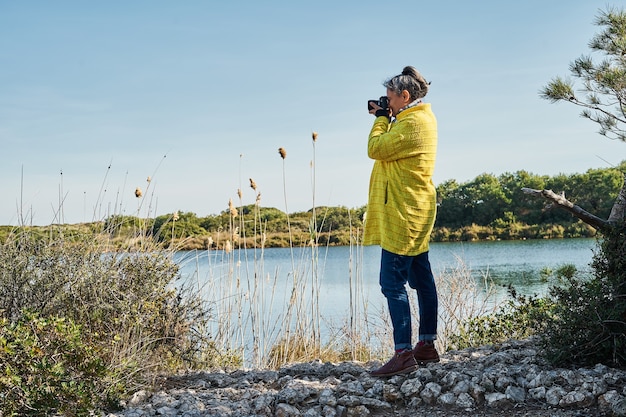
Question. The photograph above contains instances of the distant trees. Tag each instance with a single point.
(488, 200)
(487, 207)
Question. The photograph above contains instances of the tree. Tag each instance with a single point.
(488, 201)
(525, 208)
(603, 83)
(450, 204)
(179, 224)
(587, 321)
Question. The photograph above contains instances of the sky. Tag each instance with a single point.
(95, 97)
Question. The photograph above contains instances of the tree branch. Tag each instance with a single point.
(565, 204)
(619, 207)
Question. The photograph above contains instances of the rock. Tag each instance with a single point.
(538, 393)
(448, 399)
(167, 411)
(576, 399)
(351, 387)
(619, 408)
(411, 387)
(465, 401)
(496, 400)
(515, 394)
(287, 410)
(486, 379)
(462, 387)
(327, 397)
(554, 395)
(431, 392)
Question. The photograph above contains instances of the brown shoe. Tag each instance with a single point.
(400, 363)
(425, 353)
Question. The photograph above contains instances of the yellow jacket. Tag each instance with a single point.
(402, 206)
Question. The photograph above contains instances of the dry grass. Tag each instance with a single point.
(461, 297)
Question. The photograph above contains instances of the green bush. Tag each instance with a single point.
(46, 368)
(581, 322)
(515, 319)
(131, 317)
(587, 324)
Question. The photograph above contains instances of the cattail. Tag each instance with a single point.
(239, 193)
(149, 179)
(228, 247)
(138, 192)
(252, 184)
(258, 199)
(175, 216)
(314, 135)
(209, 242)
(282, 152)
(232, 208)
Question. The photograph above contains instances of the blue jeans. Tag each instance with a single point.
(395, 272)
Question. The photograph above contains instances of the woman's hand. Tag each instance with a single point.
(373, 107)
(378, 111)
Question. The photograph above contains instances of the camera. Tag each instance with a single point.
(383, 102)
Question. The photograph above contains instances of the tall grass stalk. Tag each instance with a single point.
(294, 300)
(315, 281)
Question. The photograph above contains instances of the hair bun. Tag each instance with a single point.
(411, 80)
(412, 72)
(409, 71)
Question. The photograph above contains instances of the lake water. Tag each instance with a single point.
(270, 273)
(257, 296)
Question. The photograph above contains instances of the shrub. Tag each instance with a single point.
(131, 316)
(515, 319)
(46, 368)
(587, 324)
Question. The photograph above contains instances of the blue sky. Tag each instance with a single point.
(199, 95)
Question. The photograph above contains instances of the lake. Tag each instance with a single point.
(340, 268)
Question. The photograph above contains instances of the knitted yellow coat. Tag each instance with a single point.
(402, 202)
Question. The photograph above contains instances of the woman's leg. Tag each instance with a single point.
(394, 272)
(422, 280)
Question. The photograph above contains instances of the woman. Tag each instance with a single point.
(401, 212)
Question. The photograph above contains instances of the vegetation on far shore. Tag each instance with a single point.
(488, 207)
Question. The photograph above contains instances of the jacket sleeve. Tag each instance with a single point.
(387, 144)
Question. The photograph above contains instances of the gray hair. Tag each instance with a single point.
(410, 80)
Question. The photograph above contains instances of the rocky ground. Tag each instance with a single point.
(510, 380)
